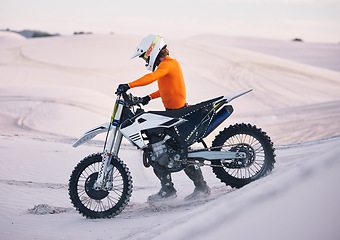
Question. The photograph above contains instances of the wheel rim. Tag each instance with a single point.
(94, 200)
(255, 156)
(242, 162)
(89, 188)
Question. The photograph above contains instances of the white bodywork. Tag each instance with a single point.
(143, 122)
(134, 131)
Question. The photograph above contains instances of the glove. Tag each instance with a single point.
(146, 100)
(122, 88)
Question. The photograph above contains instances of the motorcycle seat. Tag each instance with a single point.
(182, 112)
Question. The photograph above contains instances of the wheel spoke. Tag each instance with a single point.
(255, 153)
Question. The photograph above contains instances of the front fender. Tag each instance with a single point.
(92, 133)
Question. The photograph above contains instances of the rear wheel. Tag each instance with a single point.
(258, 149)
(99, 203)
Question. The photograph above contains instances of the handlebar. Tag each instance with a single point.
(130, 99)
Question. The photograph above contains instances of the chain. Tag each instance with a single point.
(201, 163)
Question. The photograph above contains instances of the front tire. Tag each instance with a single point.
(99, 203)
(252, 141)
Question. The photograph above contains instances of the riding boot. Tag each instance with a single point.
(201, 186)
(167, 190)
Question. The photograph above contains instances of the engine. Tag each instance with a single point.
(165, 155)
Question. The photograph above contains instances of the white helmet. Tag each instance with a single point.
(148, 49)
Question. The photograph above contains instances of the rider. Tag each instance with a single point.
(171, 89)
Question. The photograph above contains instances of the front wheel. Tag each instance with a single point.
(94, 203)
(256, 145)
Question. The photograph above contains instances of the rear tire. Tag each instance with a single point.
(250, 140)
(99, 203)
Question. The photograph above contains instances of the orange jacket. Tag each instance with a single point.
(170, 83)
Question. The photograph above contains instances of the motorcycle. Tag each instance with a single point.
(100, 186)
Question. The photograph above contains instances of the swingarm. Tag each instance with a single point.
(216, 155)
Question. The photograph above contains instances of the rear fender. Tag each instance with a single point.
(231, 97)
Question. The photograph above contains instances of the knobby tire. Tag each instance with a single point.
(99, 204)
(250, 140)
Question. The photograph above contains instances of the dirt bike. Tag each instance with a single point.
(100, 185)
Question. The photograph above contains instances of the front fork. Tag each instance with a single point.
(111, 149)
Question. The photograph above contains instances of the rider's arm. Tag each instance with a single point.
(162, 70)
(155, 95)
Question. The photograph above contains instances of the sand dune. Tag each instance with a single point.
(54, 89)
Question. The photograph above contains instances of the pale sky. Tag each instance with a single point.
(311, 20)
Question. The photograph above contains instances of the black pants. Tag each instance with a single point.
(170, 109)
(195, 174)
